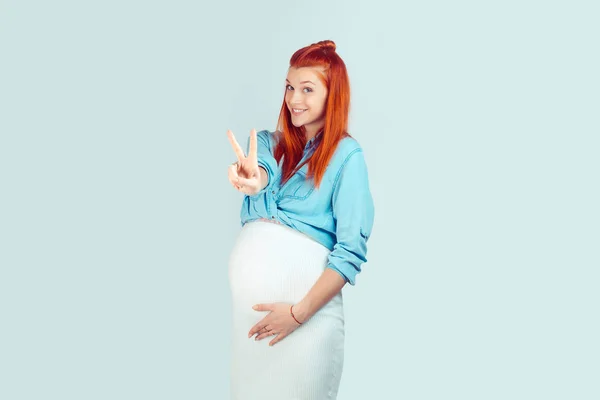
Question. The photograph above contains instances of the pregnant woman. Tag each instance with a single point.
(306, 217)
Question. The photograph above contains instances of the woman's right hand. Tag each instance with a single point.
(245, 175)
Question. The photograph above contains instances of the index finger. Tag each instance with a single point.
(257, 327)
(252, 152)
(236, 147)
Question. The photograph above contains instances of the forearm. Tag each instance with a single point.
(327, 286)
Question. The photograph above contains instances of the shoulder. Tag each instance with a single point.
(266, 139)
(270, 137)
(350, 162)
(265, 134)
(347, 147)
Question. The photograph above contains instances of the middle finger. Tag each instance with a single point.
(264, 335)
(258, 328)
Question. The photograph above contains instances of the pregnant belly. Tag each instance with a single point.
(274, 263)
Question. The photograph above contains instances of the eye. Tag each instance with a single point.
(308, 90)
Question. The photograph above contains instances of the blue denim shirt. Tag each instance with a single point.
(339, 214)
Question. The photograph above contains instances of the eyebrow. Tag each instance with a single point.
(301, 82)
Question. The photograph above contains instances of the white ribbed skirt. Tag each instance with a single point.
(274, 263)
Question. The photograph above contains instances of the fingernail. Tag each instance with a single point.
(254, 307)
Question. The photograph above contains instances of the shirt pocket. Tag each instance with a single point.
(297, 187)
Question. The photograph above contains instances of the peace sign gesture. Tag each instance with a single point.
(245, 174)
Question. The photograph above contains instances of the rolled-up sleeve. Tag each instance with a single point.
(353, 213)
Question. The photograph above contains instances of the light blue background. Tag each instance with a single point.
(480, 126)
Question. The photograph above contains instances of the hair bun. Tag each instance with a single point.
(326, 44)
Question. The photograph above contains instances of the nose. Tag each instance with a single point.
(296, 98)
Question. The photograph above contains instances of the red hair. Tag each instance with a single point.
(292, 140)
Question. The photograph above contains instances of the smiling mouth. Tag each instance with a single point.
(298, 111)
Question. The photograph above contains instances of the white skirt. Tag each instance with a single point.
(273, 263)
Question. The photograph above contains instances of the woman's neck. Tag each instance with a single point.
(312, 133)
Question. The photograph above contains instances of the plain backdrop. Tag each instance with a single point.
(479, 122)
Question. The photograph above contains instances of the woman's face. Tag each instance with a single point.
(305, 97)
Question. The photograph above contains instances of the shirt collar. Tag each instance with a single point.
(314, 141)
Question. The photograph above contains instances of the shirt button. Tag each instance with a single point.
(273, 192)
(272, 217)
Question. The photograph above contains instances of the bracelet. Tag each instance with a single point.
(300, 323)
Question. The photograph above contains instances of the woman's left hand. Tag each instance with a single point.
(278, 322)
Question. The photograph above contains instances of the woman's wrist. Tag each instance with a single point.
(301, 312)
